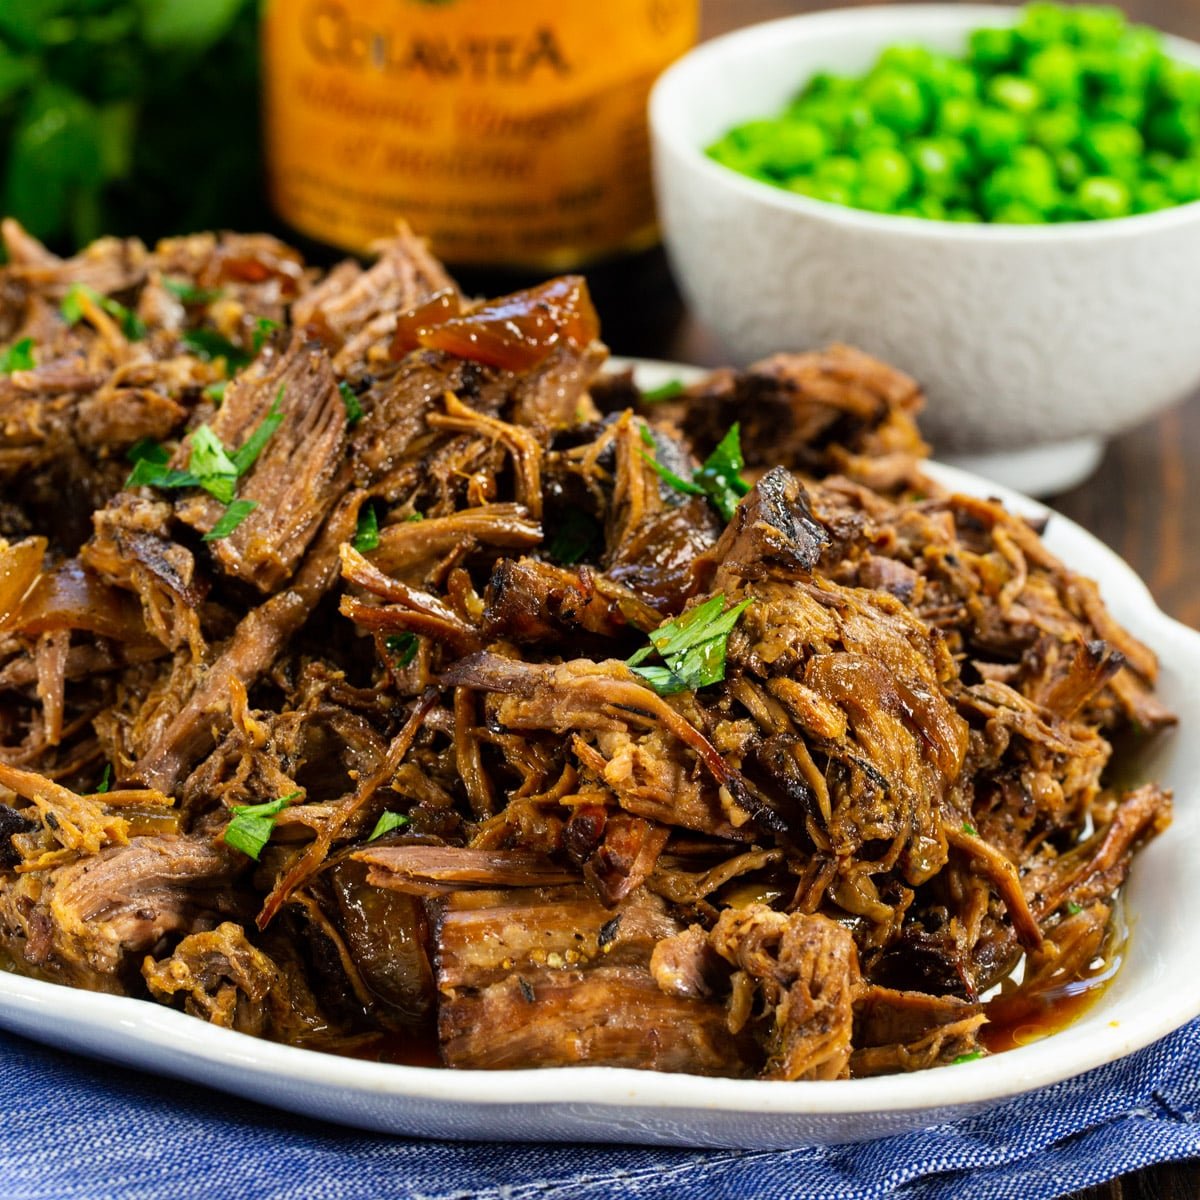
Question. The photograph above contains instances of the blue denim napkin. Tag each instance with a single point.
(73, 1128)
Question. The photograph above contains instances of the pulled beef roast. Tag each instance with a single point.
(492, 833)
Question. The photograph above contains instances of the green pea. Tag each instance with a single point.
(838, 168)
(1183, 181)
(908, 58)
(874, 137)
(1126, 107)
(1113, 146)
(1153, 196)
(793, 146)
(1012, 184)
(1055, 70)
(939, 163)
(1178, 82)
(1021, 96)
(1055, 128)
(997, 133)
(1102, 197)
(1097, 25)
(1158, 163)
(1071, 168)
(931, 208)
(896, 100)
(874, 199)
(832, 193)
(956, 115)
(886, 171)
(1040, 24)
(992, 48)
(963, 216)
(1173, 129)
(1018, 213)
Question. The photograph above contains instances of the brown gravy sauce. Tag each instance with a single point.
(1020, 1015)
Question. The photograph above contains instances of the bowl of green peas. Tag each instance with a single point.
(1003, 201)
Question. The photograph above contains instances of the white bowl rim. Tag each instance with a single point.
(919, 228)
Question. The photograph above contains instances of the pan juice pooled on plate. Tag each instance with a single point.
(383, 678)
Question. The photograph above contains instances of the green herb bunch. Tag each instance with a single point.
(129, 117)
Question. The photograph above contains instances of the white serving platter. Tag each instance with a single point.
(1154, 993)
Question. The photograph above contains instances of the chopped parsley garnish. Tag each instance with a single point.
(214, 470)
(216, 392)
(964, 1058)
(721, 474)
(251, 826)
(236, 512)
(415, 515)
(208, 344)
(666, 391)
(149, 449)
(719, 477)
(17, 357)
(967, 827)
(245, 455)
(575, 536)
(692, 646)
(402, 647)
(1074, 909)
(354, 410)
(387, 823)
(366, 536)
(263, 328)
(210, 466)
(105, 780)
(71, 309)
(187, 292)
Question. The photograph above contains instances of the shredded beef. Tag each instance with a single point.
(404, 574)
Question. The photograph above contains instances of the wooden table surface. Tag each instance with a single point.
(1144, 501)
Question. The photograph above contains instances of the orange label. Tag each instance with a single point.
(508, 132)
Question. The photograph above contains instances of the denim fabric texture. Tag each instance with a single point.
(71, 1128)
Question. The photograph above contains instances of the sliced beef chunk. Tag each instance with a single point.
(297, 477)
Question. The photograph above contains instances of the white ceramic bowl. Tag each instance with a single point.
(1037, 342)
(1154, 992)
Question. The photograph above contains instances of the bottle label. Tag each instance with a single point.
(508, 132)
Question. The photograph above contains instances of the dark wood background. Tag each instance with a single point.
(1144, 501)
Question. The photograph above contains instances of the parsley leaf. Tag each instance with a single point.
(967, 827)
(17, 357)
(402, 647)
(965, 1058)
(251, 826)
(244, 456)
(692, 646)
(208, 344)
(1074, 909)
(574, 537)
(719, 477)
(366, 536)
(71, 309)
(354, 410)
(216, 392)
(214, 470)
(210, 466)
(105, 780)
(187, 292)
(666, 391)
(148, 448)
(231, 518)
(388, 821)
(263, 328)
